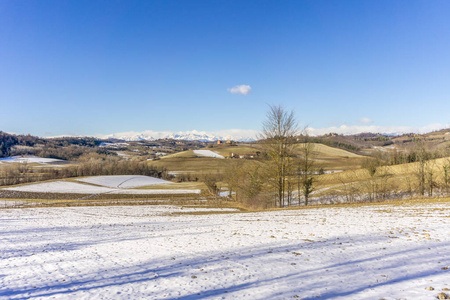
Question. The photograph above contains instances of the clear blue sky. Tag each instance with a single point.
(99, 67)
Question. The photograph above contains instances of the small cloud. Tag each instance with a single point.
(365, 121)
(242, 89)
(355, 129)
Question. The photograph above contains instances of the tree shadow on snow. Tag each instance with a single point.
(304, 282)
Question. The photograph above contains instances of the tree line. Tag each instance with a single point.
(67, 148)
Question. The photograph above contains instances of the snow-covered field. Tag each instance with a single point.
(207, 153)
(80, 188)
(124, 181)
(144, 252)
(31, 159)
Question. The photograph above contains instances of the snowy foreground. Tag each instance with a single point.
(153, 252)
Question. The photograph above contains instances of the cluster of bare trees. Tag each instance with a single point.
(372, 182)
(17, 173)
(284, 176)
(430, 176)
(68, 148)
(290, 165)
(287, 172)
(377, 181)
(278, 137)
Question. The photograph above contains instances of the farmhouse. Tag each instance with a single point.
(245, 155)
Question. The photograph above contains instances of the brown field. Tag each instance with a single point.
(326, 157)
(197, 165)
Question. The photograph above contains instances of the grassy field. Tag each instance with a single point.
(326, 157)
(176, 186)
(226, 151)
(398, 178)
(330, 158)
(322, 150)
(351, 175)
(183, 154)
(196, 165)
(222, 150)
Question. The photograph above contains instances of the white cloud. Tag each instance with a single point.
(355, 129)
(365, 121)
(242, 89)
(238, 134)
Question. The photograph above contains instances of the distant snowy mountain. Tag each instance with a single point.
(248, 135)
(194, 135)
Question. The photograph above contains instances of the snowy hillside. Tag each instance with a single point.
(124, 181)
(156, 252)
(67, 187)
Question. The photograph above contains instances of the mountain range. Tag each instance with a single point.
(193, 135)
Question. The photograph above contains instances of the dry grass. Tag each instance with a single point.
(389, 182)
(226, 151)
(330, 158)
(22, 203)
(327, 151)
(399, 173)
(175, 186)
(222, 150)
(398, 177)
(383, 204)
(183, 154)
(197, 165)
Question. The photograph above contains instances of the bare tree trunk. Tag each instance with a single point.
(306, 167)
(422, 160)
(446, 178)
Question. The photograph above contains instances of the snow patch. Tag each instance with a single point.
(68, 187)
(207, 153)
(30, 159)
(124, 181)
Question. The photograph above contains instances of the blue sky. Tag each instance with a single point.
(100, 67)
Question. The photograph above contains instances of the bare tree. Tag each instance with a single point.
(306, 169)
(409, 186)
(251, 186)
(232, 176)
(350, 188)
(422, 158)
(431, 180)
(372, 166)
(212, 183)
(278, 135)
(446, 169)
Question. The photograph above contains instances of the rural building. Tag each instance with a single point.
(245, 155)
